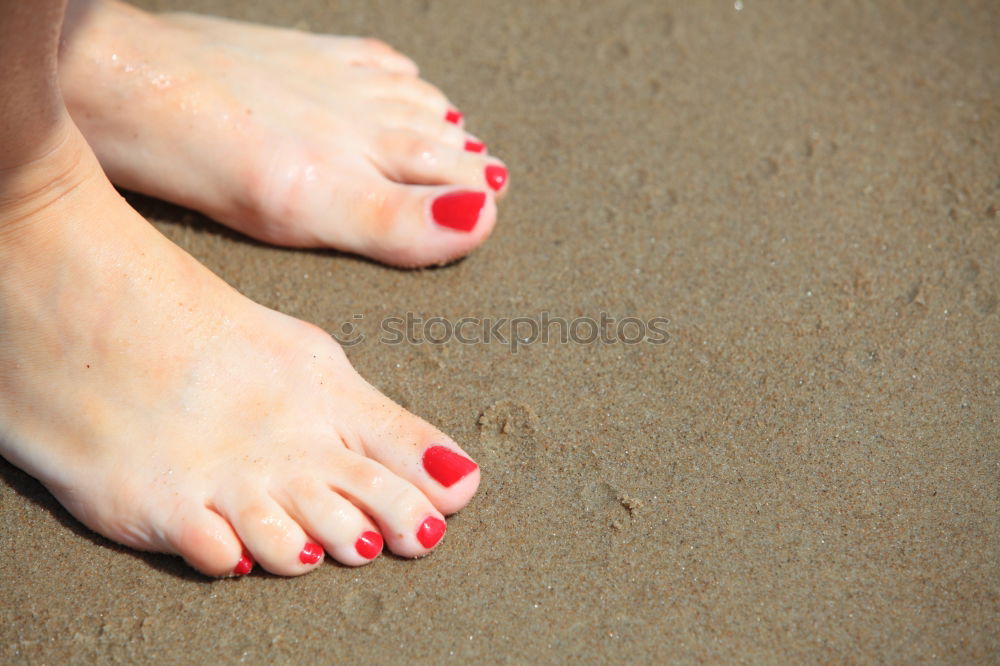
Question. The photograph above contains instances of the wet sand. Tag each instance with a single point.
(807, 470)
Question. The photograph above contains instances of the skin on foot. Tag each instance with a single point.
(169, 413)
(293, 138)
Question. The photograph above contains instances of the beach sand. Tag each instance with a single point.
(806, 471)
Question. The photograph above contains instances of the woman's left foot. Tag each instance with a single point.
(293, 138)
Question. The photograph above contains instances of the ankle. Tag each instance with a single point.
(60, 164)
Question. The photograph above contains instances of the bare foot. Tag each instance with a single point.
(293, 138)
(169, 413)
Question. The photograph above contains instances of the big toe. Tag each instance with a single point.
(416, 451)
(411, 225)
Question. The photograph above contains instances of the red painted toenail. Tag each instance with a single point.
(453, 116)
(474, 146)
(446, 466)
(244, 566)
(311, 554)
(369, 545)
(458, 210)
(431, 531)
(496, 176)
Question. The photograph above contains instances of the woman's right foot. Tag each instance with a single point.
(293, 138)
(169, 413)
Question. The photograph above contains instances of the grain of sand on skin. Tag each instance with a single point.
(805, 472)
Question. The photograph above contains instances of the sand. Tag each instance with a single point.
(806, 471)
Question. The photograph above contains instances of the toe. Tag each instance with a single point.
(346, 533)
(408, 225)
(208, 543)
(411, 157)
(438, 224)
(408, 521)
(271, 536)
(415, 450)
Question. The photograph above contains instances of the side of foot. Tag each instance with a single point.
(293, 138)
(171, 414)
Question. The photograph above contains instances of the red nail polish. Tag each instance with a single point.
(458, 210)
(311, 553)
(453, 116)
(369, 545)
(496, 176)
(474, 146)
(446, 466)
(431, 531)
(244, 566)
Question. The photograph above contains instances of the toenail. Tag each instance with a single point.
(446, 466)
(431, 531)
(369, 545)
(244, 566)
(474, 146)
(496, 176)
(453, 116)
(311, 554)
(458, 210)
